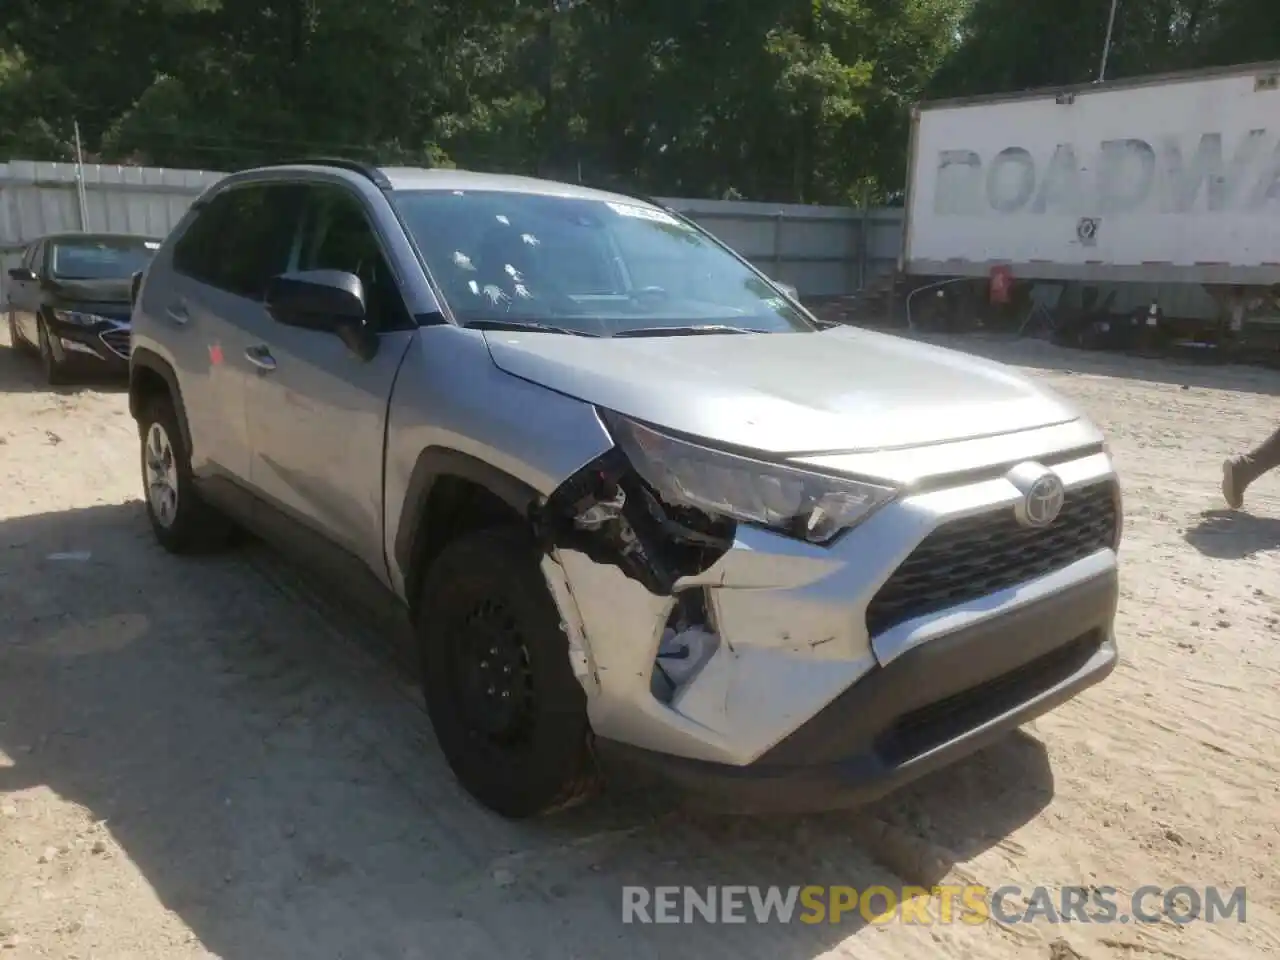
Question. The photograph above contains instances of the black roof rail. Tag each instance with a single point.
(366, 170)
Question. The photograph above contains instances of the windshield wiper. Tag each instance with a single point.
(493, 323)
(685, 331)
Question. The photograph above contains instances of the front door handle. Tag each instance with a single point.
(260, 356)
(177, 313)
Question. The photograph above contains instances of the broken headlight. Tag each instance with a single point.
(806, 505)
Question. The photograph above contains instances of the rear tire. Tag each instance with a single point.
(16, 341)
(510, 716)
(181, 521)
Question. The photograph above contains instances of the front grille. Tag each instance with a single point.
(117, 341)
(977, 556)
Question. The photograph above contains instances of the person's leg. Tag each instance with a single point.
(1240, 471)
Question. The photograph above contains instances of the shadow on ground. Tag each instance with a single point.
(21, 372)
(1233, 535)
(277, 783)
(1042, 355)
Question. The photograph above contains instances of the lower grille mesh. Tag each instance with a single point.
(929, 727)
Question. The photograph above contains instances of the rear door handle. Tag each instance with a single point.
(177, 313)
(260, 356)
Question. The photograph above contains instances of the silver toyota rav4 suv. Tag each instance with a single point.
(637, 506)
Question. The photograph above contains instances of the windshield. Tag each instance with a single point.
(100, 258)
(585, 266)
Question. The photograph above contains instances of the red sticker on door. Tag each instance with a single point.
(215, 354)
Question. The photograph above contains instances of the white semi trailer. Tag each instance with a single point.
(1163, 187)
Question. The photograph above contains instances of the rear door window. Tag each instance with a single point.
(195, 255)
(242, 239)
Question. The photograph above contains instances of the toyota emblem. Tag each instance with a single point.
(1042, 494)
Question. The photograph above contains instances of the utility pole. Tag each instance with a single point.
(1106, 46)
(81, 197)
(552, 159)
(549, 129)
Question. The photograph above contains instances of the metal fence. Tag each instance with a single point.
(42, 198)
(822, 251)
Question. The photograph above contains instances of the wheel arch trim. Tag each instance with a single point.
(144, 359)
(432, 464)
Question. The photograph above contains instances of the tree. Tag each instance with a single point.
(1008, 46)
(794, 100)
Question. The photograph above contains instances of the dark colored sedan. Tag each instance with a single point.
(69, 299)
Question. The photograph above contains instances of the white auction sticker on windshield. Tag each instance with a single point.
(644, 213)
(151, 245)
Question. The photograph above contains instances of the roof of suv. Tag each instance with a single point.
(420, 178)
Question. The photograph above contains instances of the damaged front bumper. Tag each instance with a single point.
(937, 703)
(785, 698)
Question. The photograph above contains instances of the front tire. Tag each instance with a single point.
(509, 714)
(55, 373)
(181, 521)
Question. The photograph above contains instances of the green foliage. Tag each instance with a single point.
(800, 100)
(1013, 45)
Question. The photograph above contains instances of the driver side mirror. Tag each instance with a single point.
(135, 284)
(788, 289)
(327, 301)
(22, 273)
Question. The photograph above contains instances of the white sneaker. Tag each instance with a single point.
(1232, 492)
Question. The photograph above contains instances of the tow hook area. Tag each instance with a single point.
(608, 514)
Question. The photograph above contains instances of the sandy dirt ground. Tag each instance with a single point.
(205, 758)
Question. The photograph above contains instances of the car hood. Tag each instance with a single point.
(109, 298)
(92, 291)
(841, 389)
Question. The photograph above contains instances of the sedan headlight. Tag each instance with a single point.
(806, 505)
(78, 319)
